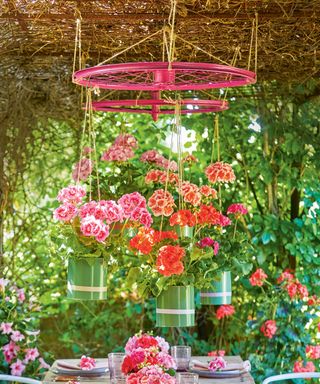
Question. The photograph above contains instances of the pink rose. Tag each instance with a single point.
(65, 212)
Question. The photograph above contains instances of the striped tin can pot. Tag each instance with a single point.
(184, 231)
(176, 307)
(221, 292)
(87, 279)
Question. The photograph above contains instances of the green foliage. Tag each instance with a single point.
(276, 164)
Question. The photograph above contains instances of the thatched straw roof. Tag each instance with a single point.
(37, 41)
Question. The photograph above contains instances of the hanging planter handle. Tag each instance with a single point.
(87, 279)
(221, 292)
(176, 307)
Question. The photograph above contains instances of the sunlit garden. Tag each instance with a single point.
(160, 192)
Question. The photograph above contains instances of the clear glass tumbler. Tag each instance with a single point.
(115, 362)
(187, 378)
(182, 356)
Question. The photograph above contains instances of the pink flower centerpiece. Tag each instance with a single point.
(147, 360)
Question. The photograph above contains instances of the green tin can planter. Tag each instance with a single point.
(87, 279)
(221, 292)
(176, 307)
(184, 231)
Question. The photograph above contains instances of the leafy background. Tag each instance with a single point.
(274, 146)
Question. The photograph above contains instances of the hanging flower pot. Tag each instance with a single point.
(221, 291)
(87, 279)
(184, 231)
(176, 307)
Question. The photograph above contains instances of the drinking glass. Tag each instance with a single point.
(115, 362)
(182, 356)
(187, 378)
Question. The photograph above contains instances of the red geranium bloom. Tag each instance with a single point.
(182, 218)
(127, 365)
(220, 173)
(143, 241)
(207, 191)
(258, 277)
(208, 215)
(313, 351)
(146, 341)
(300, 367)
(285, 276)
(169, 260)
(237, 209)
(225, 311)
(269, 328)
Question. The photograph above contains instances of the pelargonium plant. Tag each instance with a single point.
(166, 256)
(19, 353)
(147, 360)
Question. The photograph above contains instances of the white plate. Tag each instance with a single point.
(218, 374)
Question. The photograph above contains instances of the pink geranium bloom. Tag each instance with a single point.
(6, 328)
(126, 140)
(31, 354)
(237, 209)
(65, 212)
(208, 242)
(300, 367)
(87, 363)
(17, 368)
(269, 328)
(258, 277)
(313, 351)
(82, 170)
(130, 201)
(72, 194)
(17, 336)
(220, 172)
(118, 153)
(225, 311)
(217, 364)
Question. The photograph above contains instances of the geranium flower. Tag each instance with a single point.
(169, 260)
(65, 212)
(161, 203)
(82, 170)
(126, 140)
(190, 159)
(207, 191)
(269, 328)
(285, 276)
(300, 367)
(87, 363)
(258, 277)
(118, 153)
(225, 311)
(190, 193)
(313, 351)
(220, 172)
(208, 242)
(130, 201)
(208, 215)
(183, 217)
(237, 209)
(72, 194)
(217, 364)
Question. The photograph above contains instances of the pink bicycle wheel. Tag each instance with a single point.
(155, 107)
(156, 76)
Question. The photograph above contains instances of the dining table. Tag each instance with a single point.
(53, 378)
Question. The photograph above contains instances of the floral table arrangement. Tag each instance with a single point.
(147, 360)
